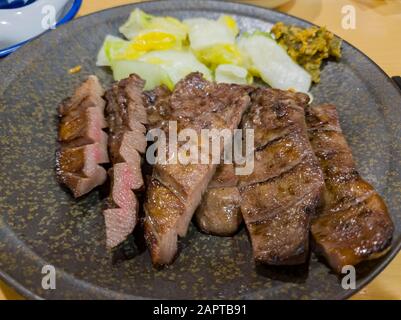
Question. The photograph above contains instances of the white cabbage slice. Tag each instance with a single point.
(177, 64)
(115, 48)
(140, 23)
(228, 73)
(272, 63)
(204, 33)
(154, 75)
(158, 52)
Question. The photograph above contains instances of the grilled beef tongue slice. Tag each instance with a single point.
(354, 224)
(158, 107)
(280, 196)
(83, 143)
(176, 189)
(126, 116)
(219, 212)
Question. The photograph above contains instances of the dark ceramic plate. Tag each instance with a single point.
(42, 224)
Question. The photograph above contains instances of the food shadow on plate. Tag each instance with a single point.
(292, 274)
(132, 247)
(363, 270)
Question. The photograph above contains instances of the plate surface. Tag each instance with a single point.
(42, 224)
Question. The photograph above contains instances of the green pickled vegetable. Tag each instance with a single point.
(308, 46)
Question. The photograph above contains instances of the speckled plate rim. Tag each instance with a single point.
(7, 62)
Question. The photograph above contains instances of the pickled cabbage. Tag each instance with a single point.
(204, 33)
(154, 75)
(176, 63)
(272, 63)
(115, 48)
(228, 73)
(154, 33)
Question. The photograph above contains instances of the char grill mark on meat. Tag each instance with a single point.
(176, 188)
(280, 196)
(83, 143)
(126, 117)
(354, 224)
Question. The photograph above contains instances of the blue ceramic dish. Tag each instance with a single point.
(69, 12)
(12, 4)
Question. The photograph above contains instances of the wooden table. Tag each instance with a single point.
(377, 33)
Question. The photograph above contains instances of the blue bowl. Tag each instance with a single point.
(12, 4)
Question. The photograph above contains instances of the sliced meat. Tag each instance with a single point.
(224, 177)
(277, 213)
(158, 107)
(88, 94)
(163, 210)
(83, 143)
(196, 104)
(126, 116)
(280, 196)
(274, 114)
(82, 161)
(277, 157)
(354, 224)
(82, 127)
(219, 213)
